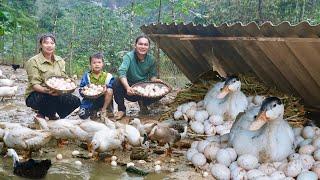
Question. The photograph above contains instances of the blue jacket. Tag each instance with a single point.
(85, 80)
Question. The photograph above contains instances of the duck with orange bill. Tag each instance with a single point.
(266, 135)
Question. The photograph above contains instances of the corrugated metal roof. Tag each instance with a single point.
(283, 55)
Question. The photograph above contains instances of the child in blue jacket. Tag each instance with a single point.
(90, 107)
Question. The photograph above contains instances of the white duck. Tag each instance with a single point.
(26, 139)
(213, 92)
(230, 101)
(269, 137)
(82, 130)
(106, 140)
(143, 128)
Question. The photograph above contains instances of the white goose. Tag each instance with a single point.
(269, 137)
(230, 101)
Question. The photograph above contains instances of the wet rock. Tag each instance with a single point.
(139, 153)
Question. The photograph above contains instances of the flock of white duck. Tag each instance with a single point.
(7, 87)
(248, 137)
(100, 137)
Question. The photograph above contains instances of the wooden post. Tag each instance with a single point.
(157, 46)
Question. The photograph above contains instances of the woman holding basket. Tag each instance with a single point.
(38, 96)
(137, 66)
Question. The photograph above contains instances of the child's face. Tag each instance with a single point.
(96, 64)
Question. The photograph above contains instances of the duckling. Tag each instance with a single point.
(166, 135)
(26, 139)
(230, 101)
(33, 169)
(269, 137)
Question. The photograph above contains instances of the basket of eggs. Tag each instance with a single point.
(61, 85)
(151, 90)
(92, 91)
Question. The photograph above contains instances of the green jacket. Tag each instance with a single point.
(135, 70)
(39, 69)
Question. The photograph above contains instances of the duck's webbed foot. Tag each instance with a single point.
(62, 143)
(26, 154)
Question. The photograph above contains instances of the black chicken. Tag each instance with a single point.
(34, 169)
(15, 66)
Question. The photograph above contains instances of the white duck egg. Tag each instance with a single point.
(254, 174)
(316, 131)
(194, 144)
(210, 152)
(78, 163)
(142, 161)
(298, 140)
(113, 163)
(307, 161)
(157, 168)
(278, 175)
(293, 168)
(216, 120)
(202, 145)
(59, 156)
(157, 162)
(172, 160)
(308, 132)
(307, 149)
(130, 164)
(316, 169)
(190, 153)
(305, 142)
(220, 171)
(307, 175)
(177, 115)
(238, 173)
(223, 157)
(297, 131)
(210, 129)
(200, 104)
(198, 159)
(197, 127)
(232, 153)
(248, 161)
(75, 153)
(316, 155)
(171, 170)
(114, 158)
(294, 156)
(316, 142)
(205, 174)
(267, 168)
(201, 115)
(185, 108)
(191, 112)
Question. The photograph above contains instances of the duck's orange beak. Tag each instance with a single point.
(261, 119)
(224, 91)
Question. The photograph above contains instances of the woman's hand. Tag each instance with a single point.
(50, 92)
(156, 80)
(130, 91)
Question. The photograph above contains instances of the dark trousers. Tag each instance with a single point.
(119, 93)
(48, 105)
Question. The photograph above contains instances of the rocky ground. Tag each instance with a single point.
(176, 167)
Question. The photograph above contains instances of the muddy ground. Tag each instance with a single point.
(15, 110)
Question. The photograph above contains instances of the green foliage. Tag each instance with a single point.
(85, 27)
